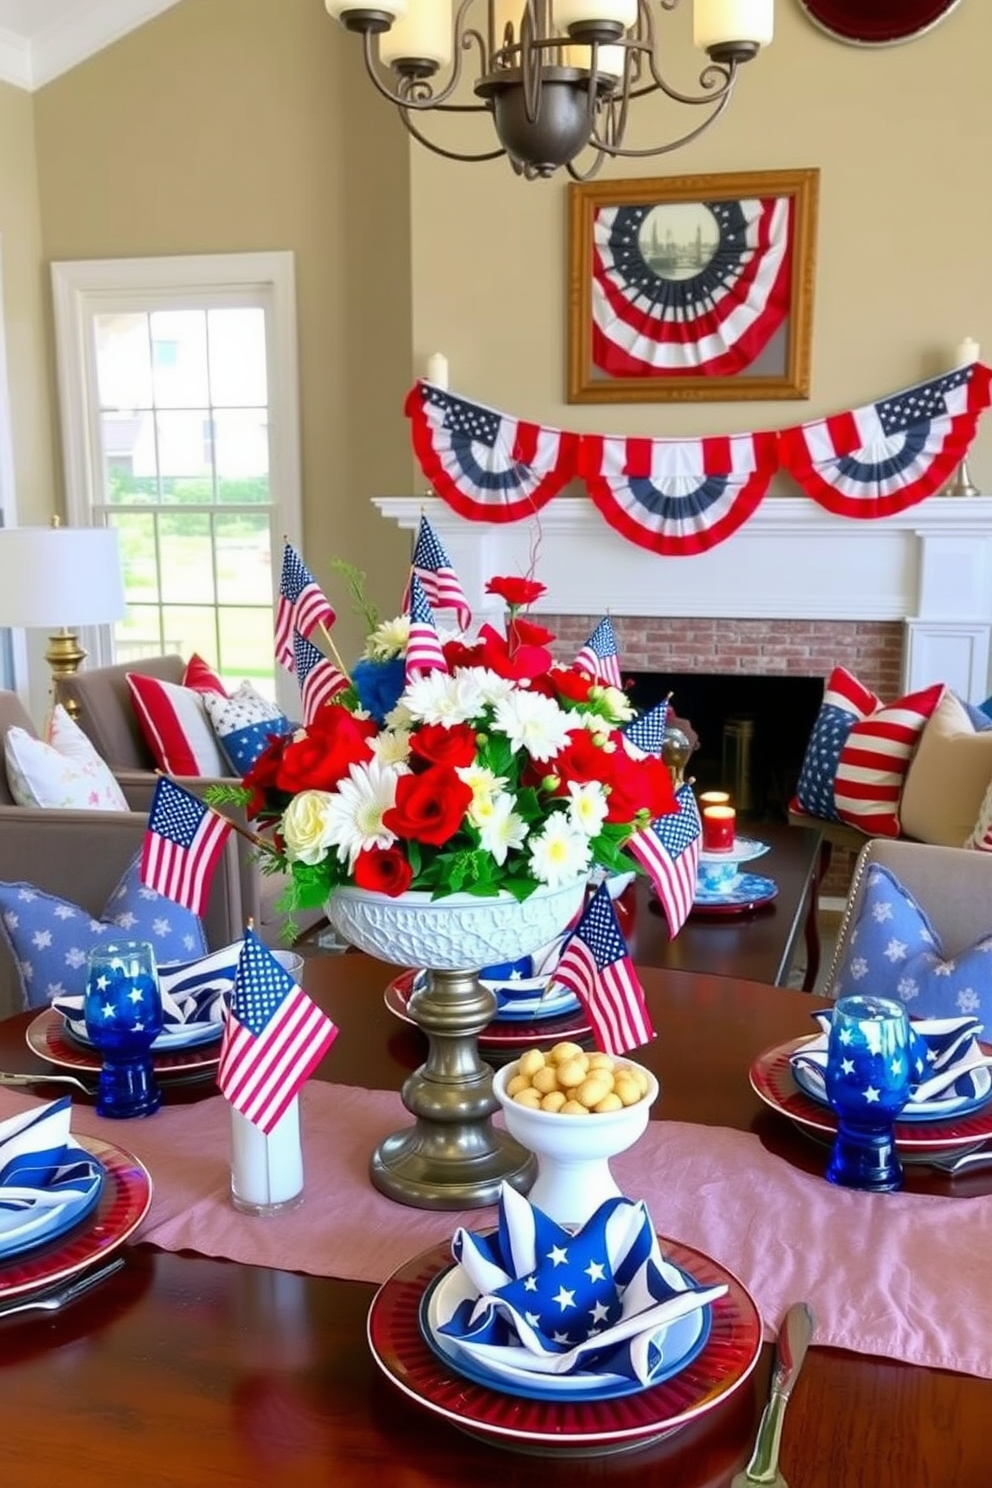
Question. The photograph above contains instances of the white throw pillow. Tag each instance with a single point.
(66, 772)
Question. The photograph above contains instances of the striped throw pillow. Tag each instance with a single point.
(859, 753)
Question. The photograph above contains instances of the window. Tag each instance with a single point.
(178, 385)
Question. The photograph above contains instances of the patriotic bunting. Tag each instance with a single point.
(890, 455)
(487, 466)
(677, 496)
(709, 303)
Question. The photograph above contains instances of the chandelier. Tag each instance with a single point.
(557, 76)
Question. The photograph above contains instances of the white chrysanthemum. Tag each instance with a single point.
(392, 746)
(483, 784)
(559, 854)
(399, 718)
(437, 697)
(491, 685)
(532, 722)
(587, 807)
(618, 706)
(389, 639)
(354, 812)
(500, 828)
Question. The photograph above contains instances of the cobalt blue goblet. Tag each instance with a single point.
(123, 1011)
(868, 1083)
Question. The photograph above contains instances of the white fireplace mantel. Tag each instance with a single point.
(930, 566)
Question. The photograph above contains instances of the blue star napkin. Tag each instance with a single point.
(47, 1181)
(949, 1068)
(548, 1301)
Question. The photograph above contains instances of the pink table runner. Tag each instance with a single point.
(899, 1275)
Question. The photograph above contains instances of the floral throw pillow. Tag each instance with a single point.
(894, 951)
(66, 772)
(49, 938)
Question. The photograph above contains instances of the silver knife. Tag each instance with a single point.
(790, 1351)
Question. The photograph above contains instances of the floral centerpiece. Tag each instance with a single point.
(507, 771)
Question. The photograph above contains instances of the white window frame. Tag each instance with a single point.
(84, 288)
(8, 501)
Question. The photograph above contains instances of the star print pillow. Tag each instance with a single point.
(859, 753)
(893, 951)
(49, 938)
(244, 723)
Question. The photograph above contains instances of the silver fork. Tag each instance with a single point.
(54, 1301)
(12, 1079)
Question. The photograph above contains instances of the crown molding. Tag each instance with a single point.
(30, 64)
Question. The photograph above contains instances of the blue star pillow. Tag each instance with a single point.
(893, 951)
(49, 938)
(244, 723)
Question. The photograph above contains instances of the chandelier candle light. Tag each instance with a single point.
(557, 76)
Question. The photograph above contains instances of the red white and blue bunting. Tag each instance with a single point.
(683, 496)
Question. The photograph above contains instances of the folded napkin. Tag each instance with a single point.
(193, 993)
(948, 1066)
(547, 1301)
(47, 1181)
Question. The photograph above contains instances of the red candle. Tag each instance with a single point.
(718, 828)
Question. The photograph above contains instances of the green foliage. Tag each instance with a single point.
(355, 581)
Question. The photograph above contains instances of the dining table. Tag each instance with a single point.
(195, 1370)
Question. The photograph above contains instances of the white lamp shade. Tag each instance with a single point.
(60, 576)
(718, 21)
(426, 32)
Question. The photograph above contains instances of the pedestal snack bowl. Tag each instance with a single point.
(452, 1157)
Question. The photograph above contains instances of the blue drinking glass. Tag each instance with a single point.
(868, 1083)
(123, 1011)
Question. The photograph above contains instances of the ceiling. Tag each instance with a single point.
(40, 39)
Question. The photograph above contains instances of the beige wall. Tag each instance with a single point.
(902, 137)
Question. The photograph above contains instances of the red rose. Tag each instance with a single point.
(575, 686)
(263, 775)
(383, 869)
(321, 757)
(639, 784)
(515, 590)
(438, 745)
(520, 664)
(429, 806)
(581, 760)
(457, 654)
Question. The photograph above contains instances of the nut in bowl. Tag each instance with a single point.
(591, 1108)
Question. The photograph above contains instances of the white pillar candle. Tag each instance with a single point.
(716, 21)
(437, 369)
(266, 1167)
(610, 59)
(966, 353)
(427, 31)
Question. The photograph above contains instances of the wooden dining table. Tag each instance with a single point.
(189, 1372)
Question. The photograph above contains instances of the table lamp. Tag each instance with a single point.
(57, 579)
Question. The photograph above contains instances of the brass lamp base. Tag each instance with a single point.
(452, 1158)
(65, 656)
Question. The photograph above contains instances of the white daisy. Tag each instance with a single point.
(559, 853)
(501, 828)
(437, 697)
(353, 814)
(532, 722)
(587, 807)
(492, 686)
(392, 746)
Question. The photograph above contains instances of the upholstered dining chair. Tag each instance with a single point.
(952, 885)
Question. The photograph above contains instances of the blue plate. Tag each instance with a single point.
(685, 1340)
(946, 1110)
(749, 890)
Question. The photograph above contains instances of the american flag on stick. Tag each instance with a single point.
(302, 606)
(423, 649)
(183, 841)
(274, 1036)
(669, 849)
(597, 967)
(433, 568)
(319, 678)
(599, 657)
(647, 731)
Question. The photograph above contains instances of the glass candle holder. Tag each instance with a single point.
(267, 1167)
(868, 1084)
(123, 1012)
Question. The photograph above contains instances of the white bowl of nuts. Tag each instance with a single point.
(574, 1110)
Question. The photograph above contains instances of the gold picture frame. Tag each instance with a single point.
(727, 260)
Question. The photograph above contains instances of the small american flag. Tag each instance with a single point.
(599, 657)
(274, 1036)
(183, 841)
(423, 650)
(318, 677)
(302, 606)
(596, 966)
(433, 568)
(669, 849)
(647, 731)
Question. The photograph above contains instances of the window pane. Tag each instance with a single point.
(241, 450)
(179, 358)
(237, 358)
(130, 474)
(185, 449)
(246, 648)
(137, 541)
(139, 634)
(244, 559)
(187, 558)
(123, 361)
(189, 628)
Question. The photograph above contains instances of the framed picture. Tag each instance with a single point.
(692, 288)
